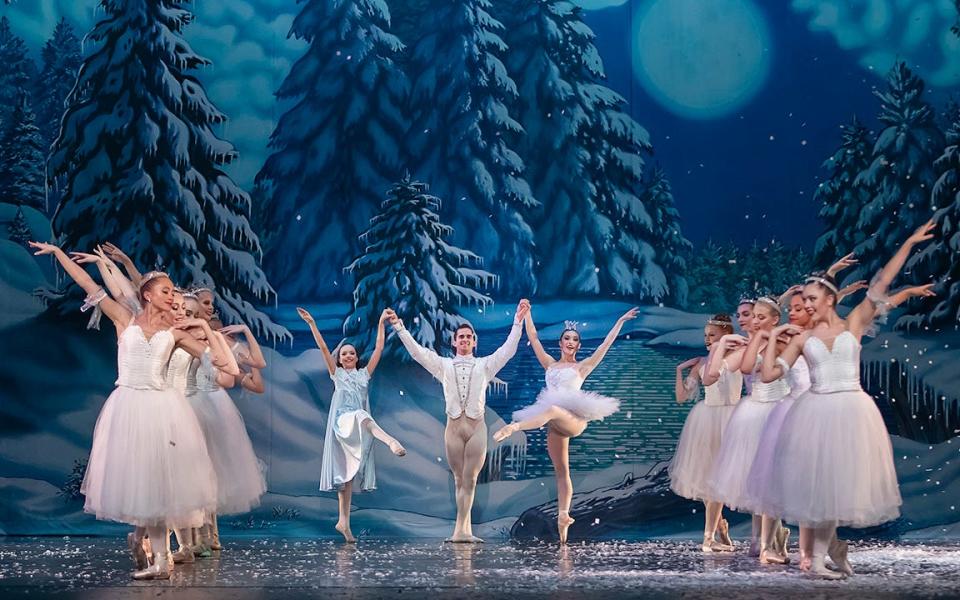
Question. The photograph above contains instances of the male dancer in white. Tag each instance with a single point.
(464, 379)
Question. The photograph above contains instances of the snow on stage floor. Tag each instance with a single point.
(298, 568)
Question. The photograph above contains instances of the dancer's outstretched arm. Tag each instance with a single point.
(590, 363)
(542, 356)
(118, 285)
(321, 343)
(378, 345)
(117, 313)
(727, 353)
(427, 358)
(255, 358)
(504, 353)
(918, 291)
(683, 384)
(844, 262)
(861, 316)
(118, 255)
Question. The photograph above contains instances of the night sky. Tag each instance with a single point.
(752, 174)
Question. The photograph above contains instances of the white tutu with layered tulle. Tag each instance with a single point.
(728, 479)
(586, 405)
(697, 449)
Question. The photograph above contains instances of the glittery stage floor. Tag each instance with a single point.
(275, 568)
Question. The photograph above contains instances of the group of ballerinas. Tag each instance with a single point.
(170, 450)
(347, 454)
(806, 445)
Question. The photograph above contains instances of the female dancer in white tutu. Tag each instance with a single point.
(833, 462)
(741, 438)
(347, 444)
(702, 432)
(148, 465)
(240, 480)
(564, 406)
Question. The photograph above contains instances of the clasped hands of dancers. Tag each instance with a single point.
(806, 444)
(170, 450)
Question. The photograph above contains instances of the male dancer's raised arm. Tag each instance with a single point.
(504, 353)
(427, 358)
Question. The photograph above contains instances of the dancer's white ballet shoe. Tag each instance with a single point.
(838, 554)
(819, 570)
(723, 533)
(711, 545)
(136, 551)
(159, 570)
(505, 432)
(183, 555)
(397, 449)
(564, 521)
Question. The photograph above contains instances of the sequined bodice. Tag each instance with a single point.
(725, 391)
(766, 392)
(567, 378)
(202, 376)
(834, 369)
(142, 363)
(177, 369)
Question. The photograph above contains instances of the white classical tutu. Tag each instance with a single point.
(833, 463)
(697, 449)
(587, 405)
(240, 481)
(148, 465)
(728, 479)
(758, 479)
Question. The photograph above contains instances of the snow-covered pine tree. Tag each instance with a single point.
(461, 135)
(18, 230)
(409, 266)
(142, 165)
(939, 260)
(844, 194)
(901, 173)
(671, 247)
(338, 148)
(584, 157)
(61, 63)
(22, 158)
(708, 276)
(18, 68)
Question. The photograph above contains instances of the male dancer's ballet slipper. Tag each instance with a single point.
(505, 432)
(137, 552)
(564, 521)
(158, 570)
(723, 532)
(838, 554)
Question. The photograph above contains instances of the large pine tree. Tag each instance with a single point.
(461, 135)
(584, 157)
(18, 230)
(22, 158)
(61, 62)
(337, 149)
(901, 174)
(671, 246)
(143, 167)
(17, 69)
(408, 265)
(844, 194)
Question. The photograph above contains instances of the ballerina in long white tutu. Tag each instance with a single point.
(564, 406)
(348, 442)
(741, 439)
(703, 429)
(148, 465)
(833, 462)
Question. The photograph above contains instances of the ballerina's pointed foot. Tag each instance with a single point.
(159, 570)
(710, 545)
(772, 557)
(782, 540)
(564, 521)
(505, 432)
(397, 448)
(838, 554)
(346, 533)
(723, 532)
(136, 550)
(463, 538)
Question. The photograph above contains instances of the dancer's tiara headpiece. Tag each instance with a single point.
(571, 326)
(150, 277)
(199, 290)
(824, 282)
(771, 302)
(747, 300)
(719, 323)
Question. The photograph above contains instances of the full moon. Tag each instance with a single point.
(701, 59)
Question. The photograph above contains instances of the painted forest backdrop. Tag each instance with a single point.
(446, 157)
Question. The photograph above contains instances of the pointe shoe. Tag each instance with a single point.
(155, 571)
(346, 533)
(772, 557)
(564, 521)
(819, 570)
(838, 554)
(215, 543)
(723, 532)
(505, 432)
(465, 538)
(754, 548)
(781, 541)
(183, 555)
(136, 551)
(711, 545)
(397, 449)
(201, 550)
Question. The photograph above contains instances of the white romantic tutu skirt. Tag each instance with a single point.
(149, 464)
(728, 479)
(697, 450)
(833, 463)
(240, 481)
(758, 480)
(587, 405)
(349, 456)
